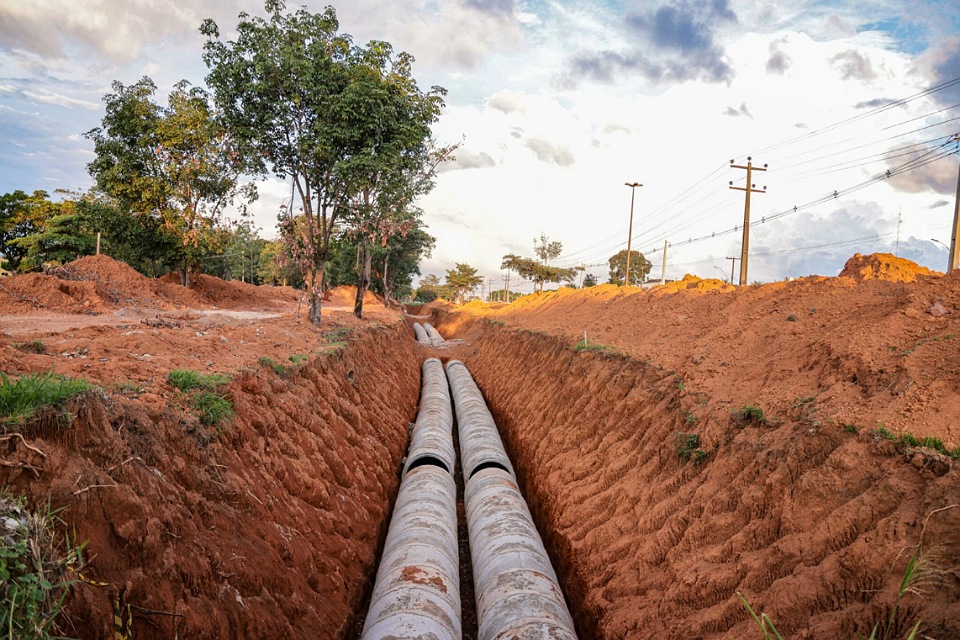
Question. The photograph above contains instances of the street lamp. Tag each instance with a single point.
(633, 190)
(940, 243)
(722, 274)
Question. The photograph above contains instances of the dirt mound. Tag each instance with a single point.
(883, 266)
(346, 296)
(693, 283)
(234, 294)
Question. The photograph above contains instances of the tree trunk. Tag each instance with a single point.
(184, 272)
(387, 289)
(314, 294)
(363, 277)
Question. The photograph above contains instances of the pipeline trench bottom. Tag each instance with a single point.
(462, 558)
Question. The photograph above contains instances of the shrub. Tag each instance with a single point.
(593, 346)
(34, 346)
(33, 569)
(687, 446)
(213, 409)
(20, 399)
(750, 414)
(297, 358)
(186, 379)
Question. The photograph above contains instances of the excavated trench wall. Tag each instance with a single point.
(269, 529)
(813, 525)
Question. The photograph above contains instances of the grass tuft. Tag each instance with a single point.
(34, 346)
(750, 414)
(687, 447)
(187, 379)
(22, 398)
(35, 569)
(591, 346)
(213, 409)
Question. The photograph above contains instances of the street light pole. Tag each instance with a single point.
(633, 190)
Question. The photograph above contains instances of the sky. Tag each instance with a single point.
(852, 106)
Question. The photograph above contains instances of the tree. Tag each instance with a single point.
(639, 267)
(461, 279)
(430, 289)
(275, 266)
(171, 163)
(589, 280)
(21, 215)
(348, 125)
(537, 270)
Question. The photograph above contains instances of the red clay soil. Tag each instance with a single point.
(812, 516)
(266, 528)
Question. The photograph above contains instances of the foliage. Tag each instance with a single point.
(20, 215)
(919, 573)
(22, 398)
(536, 269)
(461, 280)
(590, 280)
(276, 265)
(187, 379)
(501, 295)
(242, 250)
(639, 267)
(583, 345)
(347, 124)
(430, 289)
(34, 567)
(749, 414)
(174, 164)
(34, 346)
(213, 409)
(298, 358)
(909, 440)
(687, 447)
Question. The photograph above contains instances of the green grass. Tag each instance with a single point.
(850, 428)
(919, 574)
(750, 414)
(35, 568)
(910, 440)
(297, 358)
(337, 334)
(34, 346)
(591, 346)
(187, 379)
(213, 409)
(687, 447)
(20, 399)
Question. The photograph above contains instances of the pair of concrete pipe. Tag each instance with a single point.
(426, 334)
(416, 595)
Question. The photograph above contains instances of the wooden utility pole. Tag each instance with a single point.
(955, 231)
(633, 190)
(733, 265)
(750, 188)
(506, 286)
(663, 271)
(98, 243)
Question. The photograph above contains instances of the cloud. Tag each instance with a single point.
(853, 65)
(942, 64)
(495, 7)
(939, 176)
(938, 204)
(678, 44)
(468, 159)
(874, 104)
(508, 102)
(778, 62)
(45, 97)
(113, 29)
(736, 113)
(550, 153)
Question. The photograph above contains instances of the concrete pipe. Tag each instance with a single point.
(517, 591)
(432, 438)
(417, 590)
(480, 443)
(435, 338)
(420, 333)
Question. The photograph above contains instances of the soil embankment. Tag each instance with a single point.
(266, 527)
(812, 515)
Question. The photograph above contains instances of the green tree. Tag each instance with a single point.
(639, 267)
(537, 270)
(462, 279)
(392, 266)
(347, 124)
(429, 289)
(140, 241)
(172, 163)
(21, 215)
(589, 280)
(275, 265)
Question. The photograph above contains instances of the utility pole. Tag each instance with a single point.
(633, 190)
(952, 260)
(733, 265)
(582, 269)
(663, 272)
(750, 188)
(506, 286)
